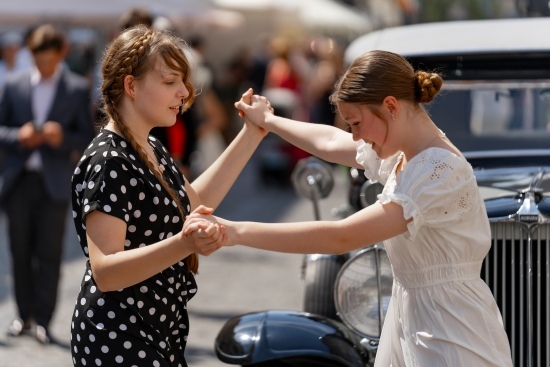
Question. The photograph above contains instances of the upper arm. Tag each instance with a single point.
(373, 224)
(105, 236)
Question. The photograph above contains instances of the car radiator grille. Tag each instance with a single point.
(518, 272)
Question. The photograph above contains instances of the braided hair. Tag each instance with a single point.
(134, 53)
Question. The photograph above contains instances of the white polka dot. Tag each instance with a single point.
(83, 361)
(91, 337)
(113, 197)
(153, 217)
(83, 301)
(158, 187)
(97, 168)
(113, 174)
(91, 184)
(152, 311)
(133, 182)
(176, 219)
(141, 354)
(87, 350)
(127, 345)
(141, 196)
(100, 326)
(143, 289)
(98, 362)
(112, 335)
(86, 208)
(123, 189)
(90, 313)
(111, 314)
(148, 232)
(163, 318)
(114, 154)
(166, 201)
(119, 359)
(130, 301)
(133, 319)
(140, 304)
(156, 364)
(137, 214)
(107, 208)
(131, 228)
(166, 218)
(101, 302)
(123, 327)
(162, 344)
(93, 289)
(105, 349)
(156, 200)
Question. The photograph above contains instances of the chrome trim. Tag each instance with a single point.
(526, 235)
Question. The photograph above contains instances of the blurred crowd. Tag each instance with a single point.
(296, 75)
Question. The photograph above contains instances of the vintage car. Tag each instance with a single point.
(495, 106)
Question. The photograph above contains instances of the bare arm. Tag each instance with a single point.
(213, 184)
(115, 268)
(369, 226)
(327, 142)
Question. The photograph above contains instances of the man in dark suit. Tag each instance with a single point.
(45, 117)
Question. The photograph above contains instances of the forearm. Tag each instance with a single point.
(213, 184)
(126, 268)
(326, 237)
(326, 142)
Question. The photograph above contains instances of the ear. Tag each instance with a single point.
(129, 86)
(390, 106)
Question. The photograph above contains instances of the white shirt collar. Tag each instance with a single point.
(36, 77)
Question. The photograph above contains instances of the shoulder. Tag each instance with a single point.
(74, 80)
(436, 167)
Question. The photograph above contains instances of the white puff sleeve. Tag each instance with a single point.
(436, 189)
(376, 169)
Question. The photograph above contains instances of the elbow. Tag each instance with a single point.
(102, 280)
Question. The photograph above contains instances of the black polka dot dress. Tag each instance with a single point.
(145, 324)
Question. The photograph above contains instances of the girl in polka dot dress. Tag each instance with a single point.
(129, 203)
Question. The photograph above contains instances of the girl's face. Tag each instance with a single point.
(160, 95)
(367, 126)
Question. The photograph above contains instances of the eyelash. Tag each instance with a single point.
(348, 129)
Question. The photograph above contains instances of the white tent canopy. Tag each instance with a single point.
(323, 16)
(94, 13)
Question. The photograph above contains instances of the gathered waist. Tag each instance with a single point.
(439, 274)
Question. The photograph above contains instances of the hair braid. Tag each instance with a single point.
(113, 89)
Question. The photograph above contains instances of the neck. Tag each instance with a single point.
(426, 134)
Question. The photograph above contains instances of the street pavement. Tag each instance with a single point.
(231, 281)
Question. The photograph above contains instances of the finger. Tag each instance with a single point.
(202, 209)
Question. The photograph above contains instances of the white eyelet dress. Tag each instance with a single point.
(441, 312)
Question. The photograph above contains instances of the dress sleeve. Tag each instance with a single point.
(110, 186)
(376, 169)
(436, 190)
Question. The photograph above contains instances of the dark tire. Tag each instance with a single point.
(320, 276)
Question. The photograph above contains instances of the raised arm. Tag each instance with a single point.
(212, 185)
(326, 142)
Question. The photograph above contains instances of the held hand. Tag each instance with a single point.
(53, 134)
(254, 109)
(204, 234)
(206, 237)
(29, 137)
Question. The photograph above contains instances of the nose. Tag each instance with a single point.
(183, 93)
(355, 136)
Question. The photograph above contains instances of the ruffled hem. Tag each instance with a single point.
(410, 210)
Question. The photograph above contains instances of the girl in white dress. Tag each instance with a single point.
(430, 215)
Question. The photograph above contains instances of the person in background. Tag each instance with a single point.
(130, 201)
(430, 215)
(10, 44)
(45, 117)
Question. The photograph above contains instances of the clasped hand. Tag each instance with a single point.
(203, 229)
(51, 133)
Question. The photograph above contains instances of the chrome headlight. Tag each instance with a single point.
(363, 290)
